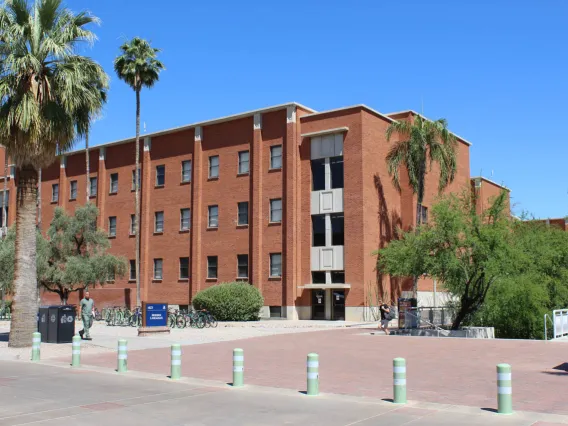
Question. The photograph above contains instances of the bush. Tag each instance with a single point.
(235, 301)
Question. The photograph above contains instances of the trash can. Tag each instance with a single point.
(61, 325)
(42, 322)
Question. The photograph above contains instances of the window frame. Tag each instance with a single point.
(272, 264)
(132, 272)
(211, 166)
(239, 258)
(94, 179)
(156, 231)
(216, 266)
(110, 233)
(132, 224)
(184, 162)
(72, 184)
(163, 175)
(111, 182)
(161, 262)
(55, 193)
(209, 225)
(241, 162)
(239, 204)
(273, 157)
(272, 210)
(188, 267)
(181, 218)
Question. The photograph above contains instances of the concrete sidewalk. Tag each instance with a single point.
(51, 393)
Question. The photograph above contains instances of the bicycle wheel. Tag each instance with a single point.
(171, 320)
(200, 322)
(212, 321)
(180, 321)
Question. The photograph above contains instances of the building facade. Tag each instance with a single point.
(292, 200)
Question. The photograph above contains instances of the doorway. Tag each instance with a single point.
(338, 303)
(318, 304)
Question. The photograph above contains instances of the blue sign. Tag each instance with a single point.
(156, 314)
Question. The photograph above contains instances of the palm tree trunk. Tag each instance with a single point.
(88, 183)
(137, 197)
(4, 218)
(39, 201)
(25, 303)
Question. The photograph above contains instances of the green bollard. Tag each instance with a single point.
(122, 365)
(399, 380)
(504, 389)
(313, 375)
(175, 372)
(36, 344)
(76, 352)
(238, 368)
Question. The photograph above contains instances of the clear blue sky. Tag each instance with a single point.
(496, 70)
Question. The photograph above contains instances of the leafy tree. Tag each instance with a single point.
(138, 67)
(72, 258)
(421, 142)
(44, 82)
(465, 251)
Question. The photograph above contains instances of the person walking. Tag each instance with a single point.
(87, 314)
(385, 317)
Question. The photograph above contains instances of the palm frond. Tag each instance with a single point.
(137, 65)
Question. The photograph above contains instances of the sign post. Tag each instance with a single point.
(154, 319)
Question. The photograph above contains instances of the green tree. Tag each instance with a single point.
(421, 142)
(73, 257)
(43, 84)
(138, 67)
(466, 252)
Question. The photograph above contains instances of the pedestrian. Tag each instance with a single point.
(87, 314)
(385, 317)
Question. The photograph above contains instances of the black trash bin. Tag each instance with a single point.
(42, 322)
(61, 326)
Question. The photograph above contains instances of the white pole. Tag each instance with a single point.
(435, 293)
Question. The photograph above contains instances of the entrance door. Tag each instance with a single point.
(318, 304)
(338, 303)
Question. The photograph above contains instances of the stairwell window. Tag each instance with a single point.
(55, 193)
(214, 167)
(159, 222)
(243, 162)
(160, 175)
(276, 210)
(276, 157)
(158, 263)
(73, 190)
(186, 171)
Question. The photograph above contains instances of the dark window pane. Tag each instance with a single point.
(211, 266)
(336, 166)
(184, 267)
(275, 311)
(337, 237)
(160, 175)
(318, 277)
(318, 231)
(242, 267)
(132, 270)
(318, 175)
(338, 277)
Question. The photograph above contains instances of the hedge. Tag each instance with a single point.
(234, 301)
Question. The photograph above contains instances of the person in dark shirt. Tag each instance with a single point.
(385, 317)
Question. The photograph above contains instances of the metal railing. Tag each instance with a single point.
(408, 312)
(436, 316)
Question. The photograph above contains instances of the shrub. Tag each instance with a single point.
(235, 301)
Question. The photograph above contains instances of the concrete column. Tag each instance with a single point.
(102, 187)
(256, 208)
(290, 206)
(197, 225)
(63, 188)
(146, 225)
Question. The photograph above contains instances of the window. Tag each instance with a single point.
(318, 175)
(132, 224)
(275, 264)
(185, 219)
(275, 311)
(184, 268)
(423, 214)
(318, 231)
(338, 277)
(213, 219)
(186, 171)
(337, 237)
(55, 193)
(243, 162)
(212, 267)
(133, 270)
(336, 170)
(114, 183)
(73, 190)
(213, 166)
(318, 277)
(134, 179)
(112, 226)
(111, 276)
(158, 263)
(159, 222)
(93, 184)
(242, 265)
(276, 210)
(243, 216)
(160, 175)
(276, 157)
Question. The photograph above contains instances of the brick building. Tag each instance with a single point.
(292, 200)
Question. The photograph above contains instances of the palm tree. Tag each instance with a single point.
(44, 82)
(138, 67)
(421, 142)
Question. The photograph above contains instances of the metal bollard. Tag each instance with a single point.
(76, 352)
(399, 380)
(313, 375)
(122, 364)
(175, 372)
(36, 344)
(504, 389)
(238, 368)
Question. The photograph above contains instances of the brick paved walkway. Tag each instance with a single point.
(449, 371)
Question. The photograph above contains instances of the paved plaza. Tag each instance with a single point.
(450, 381)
